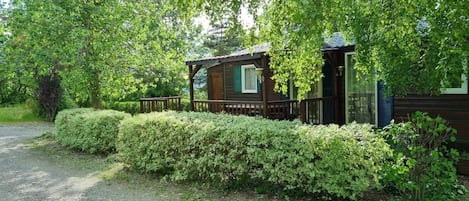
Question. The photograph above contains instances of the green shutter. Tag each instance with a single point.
(237, 78)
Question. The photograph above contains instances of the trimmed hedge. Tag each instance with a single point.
(331, 161)
(131, 107)
(89, 130)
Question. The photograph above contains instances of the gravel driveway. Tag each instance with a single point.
(26, 174)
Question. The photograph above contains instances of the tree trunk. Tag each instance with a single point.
(95, 91)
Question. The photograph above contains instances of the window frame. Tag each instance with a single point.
(459, 90)
(346, 78)
(243, 79)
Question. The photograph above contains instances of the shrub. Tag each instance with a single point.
(66, 102)
(235, 150)
(422, 167)
(88, 130)
(185, 104)
(131, 107)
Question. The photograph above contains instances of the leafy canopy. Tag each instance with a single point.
(102, 49)
(414, 46)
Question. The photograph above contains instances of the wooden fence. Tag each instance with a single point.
(312, 111)
(160, 104)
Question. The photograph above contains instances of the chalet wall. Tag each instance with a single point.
(229, 91)
(454, 108)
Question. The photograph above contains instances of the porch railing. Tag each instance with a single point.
(159, 104)
(312, 111)
(250, 108)
(318, 110)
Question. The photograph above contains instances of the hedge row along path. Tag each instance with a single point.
(26, 173)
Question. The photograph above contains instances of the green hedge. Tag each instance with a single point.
(330, 161)
(131, 107)
(89, 130)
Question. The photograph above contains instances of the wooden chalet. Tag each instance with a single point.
(240, 83)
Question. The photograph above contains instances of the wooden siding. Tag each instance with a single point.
(271, 94)
(229, 91)
(454, 108)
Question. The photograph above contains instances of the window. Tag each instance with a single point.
(248, 79)
(457, 86)
(361, 95)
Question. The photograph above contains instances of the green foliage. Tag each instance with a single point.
(66, 102)
(18, 113)
(465, 155)
(419, 46)
(185, 104)
(331, 161)
(223, 41)
(422, 167)
(88, 130)
(131, 107)
(110, 50)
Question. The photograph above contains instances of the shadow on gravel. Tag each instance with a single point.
(93, 177)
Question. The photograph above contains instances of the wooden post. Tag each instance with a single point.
(303, 111)
(335, 101)
(179, 104)
(191, 87)
(165, 104)
(142, 109)
(264, 66)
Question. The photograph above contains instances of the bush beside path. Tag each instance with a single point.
(33, 168)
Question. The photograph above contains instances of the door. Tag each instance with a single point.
(360, 95)
(217, 85)
(216, 81)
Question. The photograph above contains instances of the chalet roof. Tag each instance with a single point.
(247, 54)
(335, 42)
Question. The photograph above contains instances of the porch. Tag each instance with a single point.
(312, 111)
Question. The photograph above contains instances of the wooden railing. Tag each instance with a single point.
(283, 109)
(250, 108)
(312, 111)
(159, 104)
(318, 110)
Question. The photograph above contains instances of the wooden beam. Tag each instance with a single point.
(191, 87)
(194, 71)
(265, 112)
(225, 59)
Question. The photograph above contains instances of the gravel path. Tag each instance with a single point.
(28, 175)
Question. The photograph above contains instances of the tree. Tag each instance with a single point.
(100, 48)
(223, 38)
(420, 45)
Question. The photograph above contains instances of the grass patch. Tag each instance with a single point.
(18, 114)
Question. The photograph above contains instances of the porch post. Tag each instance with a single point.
(265, 112)
(191, 87)
(303, 111)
